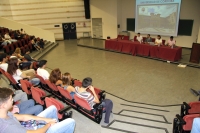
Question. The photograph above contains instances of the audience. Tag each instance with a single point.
(56, 77)
(11, 122)
(66, 79)
(171, 42)
(139, 38)
(148, 39)
(196, 126)
(93, 99)
(3, 62)
(158, 40)
(18, 74)
(41, 70)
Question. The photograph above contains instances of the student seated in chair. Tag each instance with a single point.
(171, 42)
(66, 79)
(45, 122)
(92, 98)
(148, 39)
(158, 40)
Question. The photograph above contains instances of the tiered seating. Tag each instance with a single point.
(24, 44)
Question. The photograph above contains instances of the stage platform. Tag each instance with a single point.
(100, 45)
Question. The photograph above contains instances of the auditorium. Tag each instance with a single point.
(104, 66)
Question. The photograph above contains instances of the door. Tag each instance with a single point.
(69, 31)
(97, 28)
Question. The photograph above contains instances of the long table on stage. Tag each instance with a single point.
(142, 49)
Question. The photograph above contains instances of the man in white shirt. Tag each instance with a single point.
(7, 37)
(3, 62)
(139, 38)
(158, 40)
(171, 42)
(41, 70)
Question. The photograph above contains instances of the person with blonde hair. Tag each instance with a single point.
(66, 79)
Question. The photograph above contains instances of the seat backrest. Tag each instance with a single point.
(26, 86)
(77, 83)
(37, 94)
(189, 121)
(135, 38)
(82, 102)
(195, 107)
(51, 85)
(10, 78)
(163, 42)
(41, 79)
(58, 105)
(153, 39)
(64, 93)
(2, 71)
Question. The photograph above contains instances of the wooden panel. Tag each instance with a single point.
(195, 53)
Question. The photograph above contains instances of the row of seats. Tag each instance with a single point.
(183, 121)
(39, 95)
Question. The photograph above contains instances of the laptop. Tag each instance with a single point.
(151, 43)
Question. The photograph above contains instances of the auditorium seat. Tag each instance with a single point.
(125, 38)
(163, 42)
(77, 83)
(43, 84)
(135, 38)
(26, 87)
(60, 107)
(183, 125)
(6, 50)
(12, 81)
(153, 39)
(190, 108)
(84, 108)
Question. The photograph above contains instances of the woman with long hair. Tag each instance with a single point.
(17, 53)
(66, 80)
(56, 77)
(18, 74)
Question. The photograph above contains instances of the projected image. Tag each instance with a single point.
(157, 19)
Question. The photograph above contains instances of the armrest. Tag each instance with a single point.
(42, 98)
(186, 105)
(182, 122)
(100, 93)
(64, 109)
(97, 105)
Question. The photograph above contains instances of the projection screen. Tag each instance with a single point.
(159, 17)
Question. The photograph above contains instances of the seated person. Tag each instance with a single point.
(4, 42)
(171, 42)
(19, 96)
(139, 38)
(196, 125)
(17, 53)
(92, 99)
(148, 39)
(18, 74)
(22, 32)
(27, 57)
(34, 42)
(17, 35)
(47, 121)
(66, 78)
(158, 40)
(7, 37)
(41, 70)
(3, 62)
(27, 107)
(56, 77)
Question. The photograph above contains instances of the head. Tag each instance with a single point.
(86, 82)
(159, 37)
(55, 75)
(17, 51)
(12, 65)
(6, 100)
(171, 38)
(138, 34)
(42, 63)
(21, 29)
(66, 78)
(3, 57)
(148, 35)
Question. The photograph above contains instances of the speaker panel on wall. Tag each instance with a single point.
(87, 8)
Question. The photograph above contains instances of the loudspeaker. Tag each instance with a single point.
(87, 8)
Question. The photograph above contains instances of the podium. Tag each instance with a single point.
(195, 53)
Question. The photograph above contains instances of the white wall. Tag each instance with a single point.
(31, 30)
(107, 10)
(189, 10)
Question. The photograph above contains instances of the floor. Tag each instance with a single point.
(146, 93)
